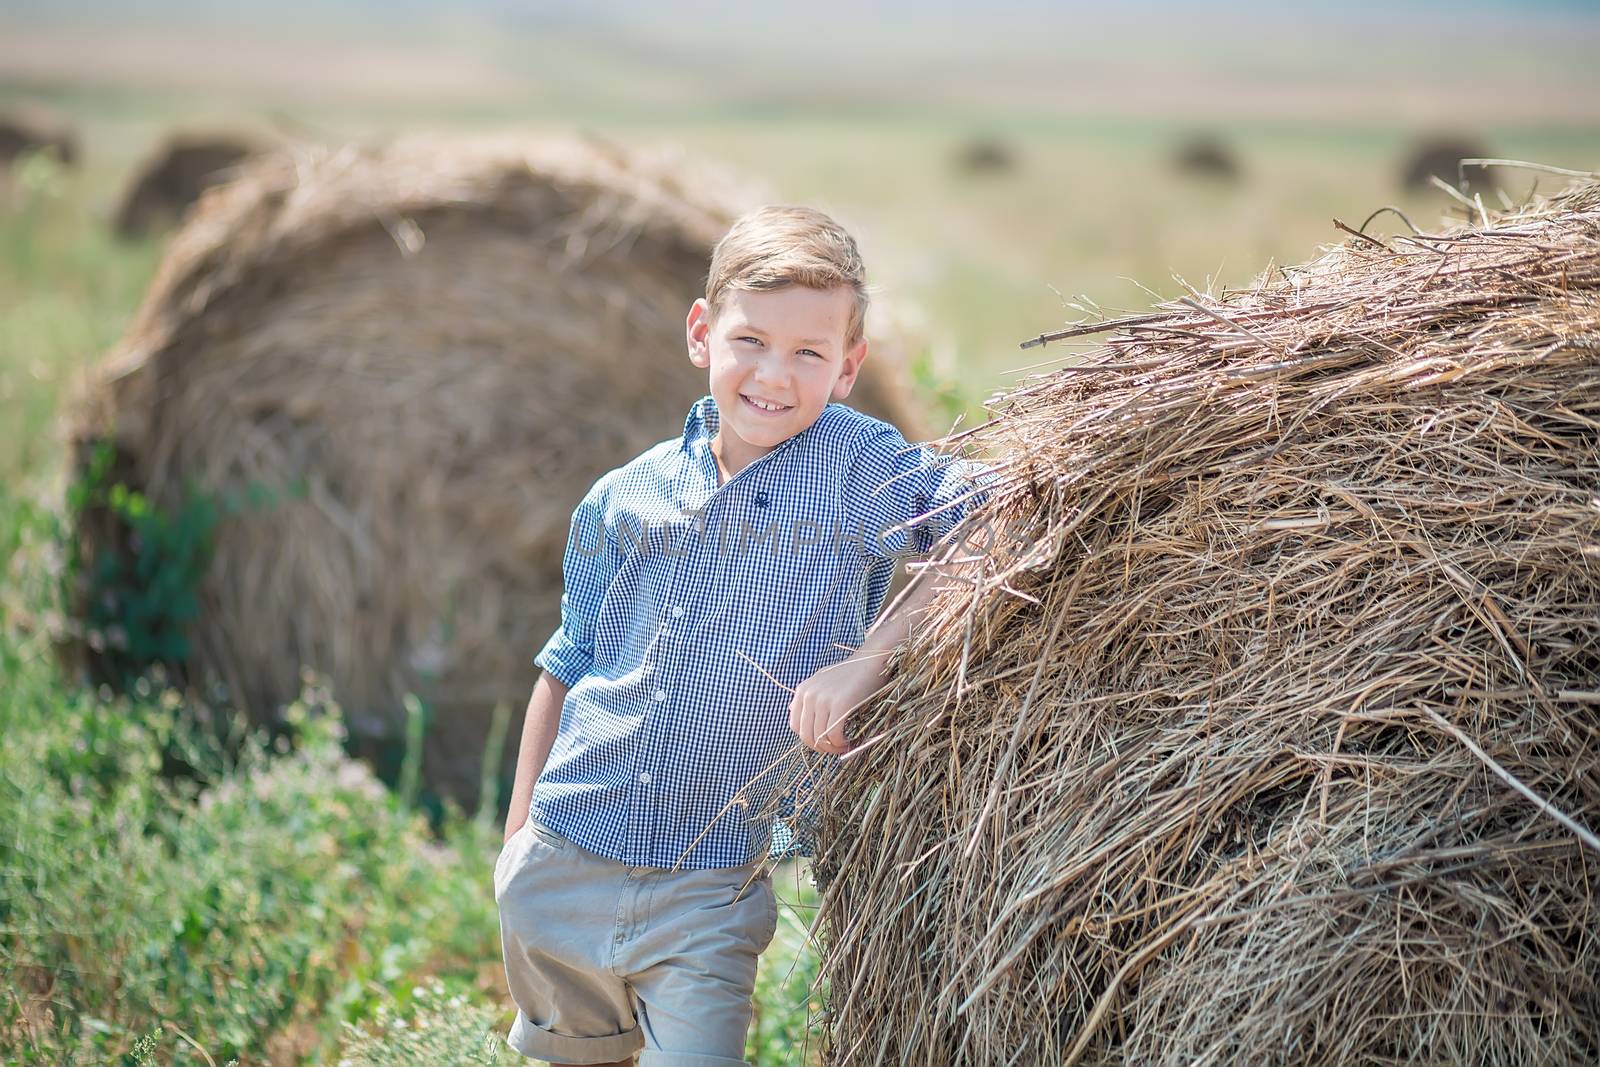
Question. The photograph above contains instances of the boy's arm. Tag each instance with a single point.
(538, 735)
(569, 653)
(896, 624)
(823, 702)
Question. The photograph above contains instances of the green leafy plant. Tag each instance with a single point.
(430, 1028)
(141, 595)
(938, 386)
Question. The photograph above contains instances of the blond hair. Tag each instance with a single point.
(777, 246)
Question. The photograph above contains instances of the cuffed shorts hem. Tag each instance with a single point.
(541, 1044)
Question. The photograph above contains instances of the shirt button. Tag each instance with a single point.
(661, 694)
(677, 611)
(644, 777)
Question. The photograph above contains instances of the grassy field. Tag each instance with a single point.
(166, 896)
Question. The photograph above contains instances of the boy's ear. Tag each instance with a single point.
(854, 356)
(697, 328)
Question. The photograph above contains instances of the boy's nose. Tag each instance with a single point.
(773, 373)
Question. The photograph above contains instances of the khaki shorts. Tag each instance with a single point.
(604, 959)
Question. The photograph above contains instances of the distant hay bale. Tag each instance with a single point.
(174, 175)
(986, 155)
(1206, 157)
(425, 353)
(1440, 157)
(1271, 731)
(32, 130)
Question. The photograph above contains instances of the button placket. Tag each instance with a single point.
(683, 575)
(645, 824)
(695, 564)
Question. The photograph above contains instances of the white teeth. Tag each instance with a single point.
(763, 405)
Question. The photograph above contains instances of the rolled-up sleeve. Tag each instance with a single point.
(587, 567)
(907, 497)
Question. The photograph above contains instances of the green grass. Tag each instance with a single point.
(257, 901)
(67, 288)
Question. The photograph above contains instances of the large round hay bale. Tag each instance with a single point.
(34, 130)
(172, 177)
(420, 355)
(1270, 732)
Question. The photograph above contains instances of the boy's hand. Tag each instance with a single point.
(821, 703)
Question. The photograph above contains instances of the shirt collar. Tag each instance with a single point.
(701, 423)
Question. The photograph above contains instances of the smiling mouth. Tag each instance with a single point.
(764, 407)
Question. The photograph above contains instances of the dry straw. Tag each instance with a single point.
(424, 352)
(1272, 732)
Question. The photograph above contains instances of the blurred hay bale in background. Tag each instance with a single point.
(986, 155)
(1271, 732)
(1207, 157)
(32, 129)
(174, 175)
(424, 352)
(1440, 157)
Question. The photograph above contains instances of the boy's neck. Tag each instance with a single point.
(731, 461)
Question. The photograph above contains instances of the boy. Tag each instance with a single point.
(714, 589)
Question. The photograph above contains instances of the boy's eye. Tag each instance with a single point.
(803, 351)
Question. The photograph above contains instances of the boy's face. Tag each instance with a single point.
(776, 359)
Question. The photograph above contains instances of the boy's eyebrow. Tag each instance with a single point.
(751, 328)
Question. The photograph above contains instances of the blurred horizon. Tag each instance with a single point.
(1421, 62)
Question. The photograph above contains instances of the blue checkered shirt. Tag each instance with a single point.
(692, 609)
